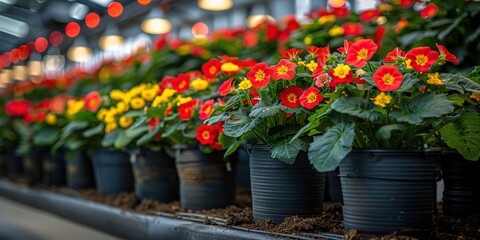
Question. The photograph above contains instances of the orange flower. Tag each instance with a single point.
(283, 70)
(291, 53)
(206, 110)
(446, 55)
(360, 52)
(352, 29)
(422, 58)
(401, 25)
(211, 68)
(388, 78)
(185, 110)
(429, 11)
(226, 87)
(93, 101)
(290, 96)
(206, 134)
(181, 82)
(310, 97)
(259, 75)
(368, 15)
(394, 55)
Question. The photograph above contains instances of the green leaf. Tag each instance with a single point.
(232, 144)
(459, 83)
(464, 136)
(327, 151)
(155, 112)
(368, 77)
(122, 140)
(385, 132)
(357, 107)
(285, 151)
(133, 113)
(74, 126)
(448, 30)
(266, 98)
(46, 136)
(149, 136)
(83, 116)
(262, 110)
(415, 110)
(94, 131)
(239, 124)
(409, 80)
(136, 132)
(216, 119)
(109, 138)
(457, 99)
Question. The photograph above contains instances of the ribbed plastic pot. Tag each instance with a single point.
(113, 171)
(387, 190)
(14, 163)
(155, 176)
(461, 195)
(33, 165)
(3, 163)
(54, 168)
(280, 190)
(207, 181)
(80, 171)
(243, 168)
(333, 188)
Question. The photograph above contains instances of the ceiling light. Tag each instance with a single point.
(337, 3)
(77, 11)
(115, 9)
(14, 27)
(79, 51)
(72, 29)
(103, 3)
(41, 44)
(258, 15)
(215, 5)
(53, 63)
(6, 76)
(111, 40)
(19, 72)
(92, 20)
(156, 23)
(200, 30)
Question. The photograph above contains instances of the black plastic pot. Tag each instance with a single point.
(14, 163)
(280, 190)
(207, 181)
(54, 168)
(113, 171)
(243, 168)
(80, 171)
(33, 165)
(333, 187)
(388, 190)
(155, 176)
(3, 163)
(461, 196)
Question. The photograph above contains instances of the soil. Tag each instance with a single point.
(240, 216)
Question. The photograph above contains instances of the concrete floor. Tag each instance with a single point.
(21, 222)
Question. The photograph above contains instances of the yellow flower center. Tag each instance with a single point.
(421, 60)
(282, 70)
(341, 71)
(205, 134)
(311, 97)
(292, 97)
(208, 110)
(212, 69)
(362, 54)
(388, 79)
(259, 75)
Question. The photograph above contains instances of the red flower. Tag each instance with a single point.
(57, 105)
(17, 107)
(291, 53)
(247, 63)
(341, 11)
(217, 146)
(291, 23)
(429, 11)
(211, 68)
(93, 100)
(160, 42)
(393, 55)
(206, 110)
(28, 118)
(360, 52)
(406, 3)
(219, 126)
(310, 98)
(379, 34)
(368, 15)
(422, 58)
(388, 78)
(290, 96)
(226, 87)
(152, 123)
(346, 46)
(337, 80)
(259, 75)
(206, 134)
(446, 55)
(401, 25)
(165, 83)
(272, 32)
(313, 50)
(283, 70)
(352, 29)
(185, 110)
(181, 82)
(250, 39)
(40, 117)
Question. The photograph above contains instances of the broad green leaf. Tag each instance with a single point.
(74, 143)
(262, 110)
(239, 124)
(385, 132)
(155, 112)
(409, 80)
(457, 99)
(266, 98)
(149, 136)
(216, 119)
(368, 77)
(141, 121)
(445, 32)
(459, 83)
(46, 136)
(74, 126)
(415, 110)
(464, 136)
(232, 144)
(83, 116)
(357, 107)
(122, 140)
(328, 150)
(133, 113)
(109, 138)
(94, 131)
(137, 131)
(285, 151)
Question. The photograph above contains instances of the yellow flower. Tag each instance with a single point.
(74, 106)
(434, 79)
(101, 114)
(384, 8)
(301, 63)
(229, 67)
(312, 65)
(407, 64)
(382, 100)
(308, 39)
(341, 70)
(137, 103)
(163, 98)
(51, 119)
(109, 117)
(326, 19)
(181, 100)
(475, 96)
(199, 84)
(116, 94)
(110, 127)
(125, 121)
(184, 49)
(121, 107)
(245, 84)
(336, 31)
(149, 94)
